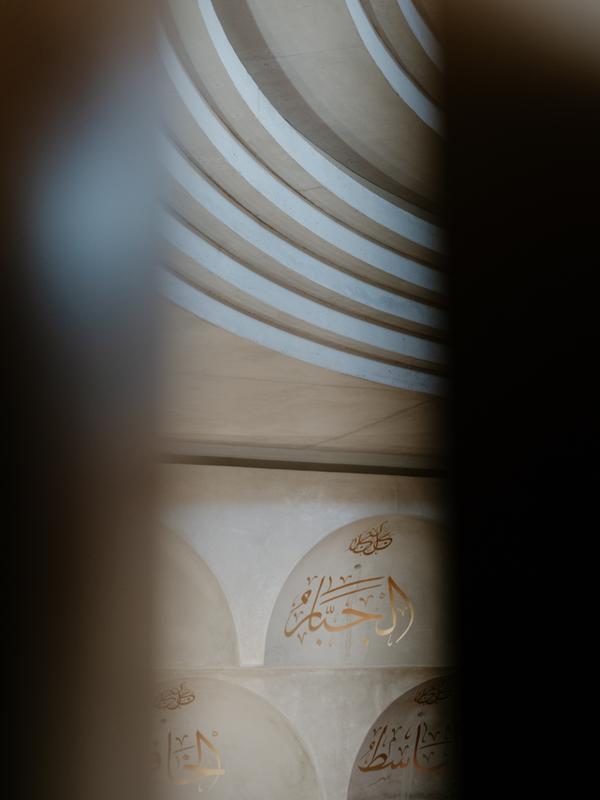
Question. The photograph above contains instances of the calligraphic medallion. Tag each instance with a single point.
(409, 752)
(371, 593)
(434, 692)
(215, 737)
(174, 697)
(368, 542)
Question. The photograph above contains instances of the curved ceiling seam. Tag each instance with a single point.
(289, 326)
(223, 316)
(407, 292)
(324, 169)
(421, 207)
(281, 322)
(422, 32)
(262, 181)
(394, 74)
(395, 39)
(309, 288)
(284, 323)
(282, 197)
(291, 257)
(286, 301)
(188, 69)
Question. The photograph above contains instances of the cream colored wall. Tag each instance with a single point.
(409, 751)
(331, 712)
(281, 731)
(226, 740)
(308, 170)
(252, 527)
(373, 593)
(224, 389)
(192, 612)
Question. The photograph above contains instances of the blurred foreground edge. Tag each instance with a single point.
(523, 175)
(77, 195)
(523, 133)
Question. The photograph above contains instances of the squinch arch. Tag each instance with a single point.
(194, 623)
(409, 751)
(214, 736)
(374, 593)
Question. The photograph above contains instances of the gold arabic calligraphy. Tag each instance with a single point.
(328, 605)
(369, 542)
(191, 758)
(424, 746)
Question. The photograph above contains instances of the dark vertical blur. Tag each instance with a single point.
(77, 271)
(523, 177)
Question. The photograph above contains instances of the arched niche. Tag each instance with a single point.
(409, 752)
(214, 736)
(194, 625)
(373, 593)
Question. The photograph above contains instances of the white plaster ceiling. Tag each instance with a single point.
(301, 235)
(222, 389)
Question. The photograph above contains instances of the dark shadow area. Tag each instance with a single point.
(428, 17)
(523, 174)
(78, 313)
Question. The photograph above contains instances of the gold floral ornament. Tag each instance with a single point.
(429, 695)
(369, 542)
(173, 699)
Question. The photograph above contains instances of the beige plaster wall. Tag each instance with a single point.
(331, 712)
(252, 527)
(293, 730)
(374, 592)
(193, 620)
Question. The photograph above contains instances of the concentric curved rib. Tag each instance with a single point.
(303, 152)
(422, 32)
(398, 79)
(209, 258)
(288, 201)
(290, 257)
(234, 321)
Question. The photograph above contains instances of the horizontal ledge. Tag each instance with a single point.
(307, 459)
(261, 669)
